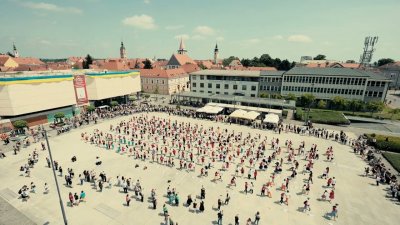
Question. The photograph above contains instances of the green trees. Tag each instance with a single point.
(384, 61)
(338, 102)
(375, 106)
(90, 108)
(58, 117)
(132, 98)
(290, 97)
(355, 105)
(285, 65)
(227, 61)
(264, 95)
(267, 60)
(320, 57)
(321, 104)
(114, 103)
(87, 62)
(307, 99)
(20, 125)
(147, 64)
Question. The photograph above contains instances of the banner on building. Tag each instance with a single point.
(80, 90)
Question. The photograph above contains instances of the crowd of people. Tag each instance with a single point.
(196, 148)
(188, 146)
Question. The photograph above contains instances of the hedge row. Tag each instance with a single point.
(385, 143)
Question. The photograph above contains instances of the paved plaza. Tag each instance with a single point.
(360, 200)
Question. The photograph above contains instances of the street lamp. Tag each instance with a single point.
(55, 178)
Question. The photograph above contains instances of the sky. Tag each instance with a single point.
(152, 28)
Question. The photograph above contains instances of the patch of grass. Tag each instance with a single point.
(393, 159)
(322, 116)
(385, 114)
(385, 143)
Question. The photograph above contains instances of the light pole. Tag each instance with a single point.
(55, 178)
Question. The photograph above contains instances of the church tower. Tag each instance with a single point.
(216, 54)
(182, 50)
(15, 52)
(122, 51)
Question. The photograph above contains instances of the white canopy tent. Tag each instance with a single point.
(210, 109)
(238, 114)
(248, 108)
(271, 118)
(251, 115)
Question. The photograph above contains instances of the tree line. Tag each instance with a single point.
(265, 60)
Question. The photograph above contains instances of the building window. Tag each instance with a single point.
(194, 91)
(253, 88)
(244, 87)
(202, 85)
(201, 77)
(217, 92)
(209, 92)
(226, 86)
(225, 93)
(194, 84)
(209, 85)
(253, 95)
(201, 91)
(235, 87)
(194, 77)
(217, 86)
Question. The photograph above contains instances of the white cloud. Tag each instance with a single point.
(146, 1)
(50, 7)
(183, 36)
(198, 37)
(277, 37)
(204, 31)
(174, 27)
(253, 41)
(220, 38)
(299, 38)
(140, 21)
(44, 42)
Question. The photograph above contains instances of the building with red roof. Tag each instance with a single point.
(164, 81)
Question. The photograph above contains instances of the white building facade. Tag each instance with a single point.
(226, 82)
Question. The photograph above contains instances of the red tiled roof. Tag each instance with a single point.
(27, 67)
(161, 73)
(28, 61)
(58, 66)
(336, 64)
(350, 65)
(189, 68)
(253, 68)
(160, 64)
(206, 63)
(111, 64)
(180, 59)
(3, 59)
(317, 65)
(391, 65)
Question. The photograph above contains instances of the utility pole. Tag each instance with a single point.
(55, 178)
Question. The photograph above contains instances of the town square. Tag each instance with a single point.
(155, 112)
(156, 164)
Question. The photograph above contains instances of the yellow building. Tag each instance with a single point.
(36, 97)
